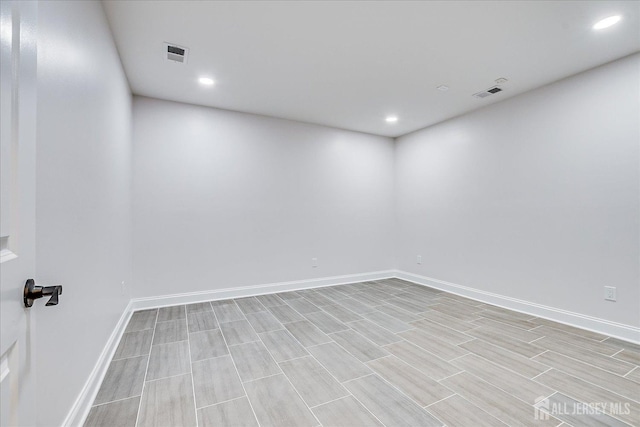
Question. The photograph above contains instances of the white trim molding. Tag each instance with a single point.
(81, 407)
(247, 291)
(594, 324)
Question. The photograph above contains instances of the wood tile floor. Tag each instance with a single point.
(367, 354)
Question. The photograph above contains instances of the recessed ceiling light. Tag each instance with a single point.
(206, 81)
(391, 119)
(607, 22)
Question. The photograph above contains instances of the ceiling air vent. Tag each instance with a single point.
(487, 92)
(176, 53)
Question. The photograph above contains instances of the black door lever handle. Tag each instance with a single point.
(33, 292)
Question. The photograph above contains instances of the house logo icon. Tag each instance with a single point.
(541, 408)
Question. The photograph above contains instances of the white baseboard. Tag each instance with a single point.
(594, 324)
(82, 405)
(247, 291)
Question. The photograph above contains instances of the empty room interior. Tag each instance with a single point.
(320, 213)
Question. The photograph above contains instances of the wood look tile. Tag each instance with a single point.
(207, 344)
(505, 313)
(408, 305)
(325, 322)
(228, 312)
(236, 413)
(431, 343)
(202, 321)
(340, 363)
(506, 408)
(398, 313)
(175, 312)
(596, 359)
(570, 329)
(168, 402)
(513, 361)
(276, 403)
(168, 360)
(314, 383)
(444, 333)
(363, 349)
(122, 413)
(628, 356)
(249, 305)
(508, 330)
(409, 380)
(170, 331)
(622, 344)
(216, 380)
(238, 332)
(199, 306)
(341, 313)
(375, 333)
(448, 321)
(516, 385)
(590, 373)
(496, 337)
(264, 322)
(285, 314)
(508, 319)
(133, 344)
(303, 306)
(270, 300)
(605, 348)
(388, 322)
(429, 364)
(307, 333)
(457, 411)
(367, 299)
(282, 345)
(409, 355)
(345, 412)
(288, 295)
(388, 404)
(417, 297)
(355, 306)
(141, 320)
(634, 375)
(318, 299)
(459, 311)
(124, 378)
(253, 361)
(333, 293)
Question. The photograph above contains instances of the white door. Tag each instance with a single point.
(18, 20)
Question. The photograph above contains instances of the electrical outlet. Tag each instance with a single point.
(314, 262)
(610, 293)
(419, 259)
(124, 288)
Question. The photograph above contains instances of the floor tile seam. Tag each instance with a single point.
(233, 362)
(636, 400)
(146, 371)
(581, 361)
(284, 374)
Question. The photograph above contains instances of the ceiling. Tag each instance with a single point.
(350, 64)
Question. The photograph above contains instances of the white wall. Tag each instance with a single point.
(225, 199)
(83, 197)
(535, 198)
